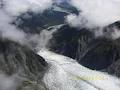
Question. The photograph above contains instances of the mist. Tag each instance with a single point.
(11, 9)
(8, 82)
(95, 14)
(16, 7)
(98, 13)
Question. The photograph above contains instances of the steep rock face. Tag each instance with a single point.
(101, 55)
(81, 44)
(114, 68)
(68, 41)
(20, 60)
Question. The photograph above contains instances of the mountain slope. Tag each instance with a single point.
(23, 63)
(35, 22)
(81, 44)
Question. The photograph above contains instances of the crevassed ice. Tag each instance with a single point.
(66, 74)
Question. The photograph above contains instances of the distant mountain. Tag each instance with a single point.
(35, 22)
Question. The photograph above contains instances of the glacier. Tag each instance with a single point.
(65, 73)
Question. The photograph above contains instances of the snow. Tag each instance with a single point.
(66, 74)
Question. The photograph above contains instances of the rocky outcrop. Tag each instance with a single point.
(70, 41)
(81, 44)
(19, 60)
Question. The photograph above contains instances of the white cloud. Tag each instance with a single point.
(75, 20)
(116, 33)
(96, 13)
(13, 8)
(7, 82)
(8, 30)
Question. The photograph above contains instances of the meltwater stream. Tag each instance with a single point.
(66, 74)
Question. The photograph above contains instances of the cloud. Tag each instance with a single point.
(95, 13)
(116, 33)
(75, 20)
(10, 9)
(8, 82)
(15, 7)
(7, 30)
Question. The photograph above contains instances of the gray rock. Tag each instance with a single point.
(19, 61)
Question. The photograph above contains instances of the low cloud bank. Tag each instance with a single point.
(16, 7)
(11, 9)
(8, 82)
(95, 14)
